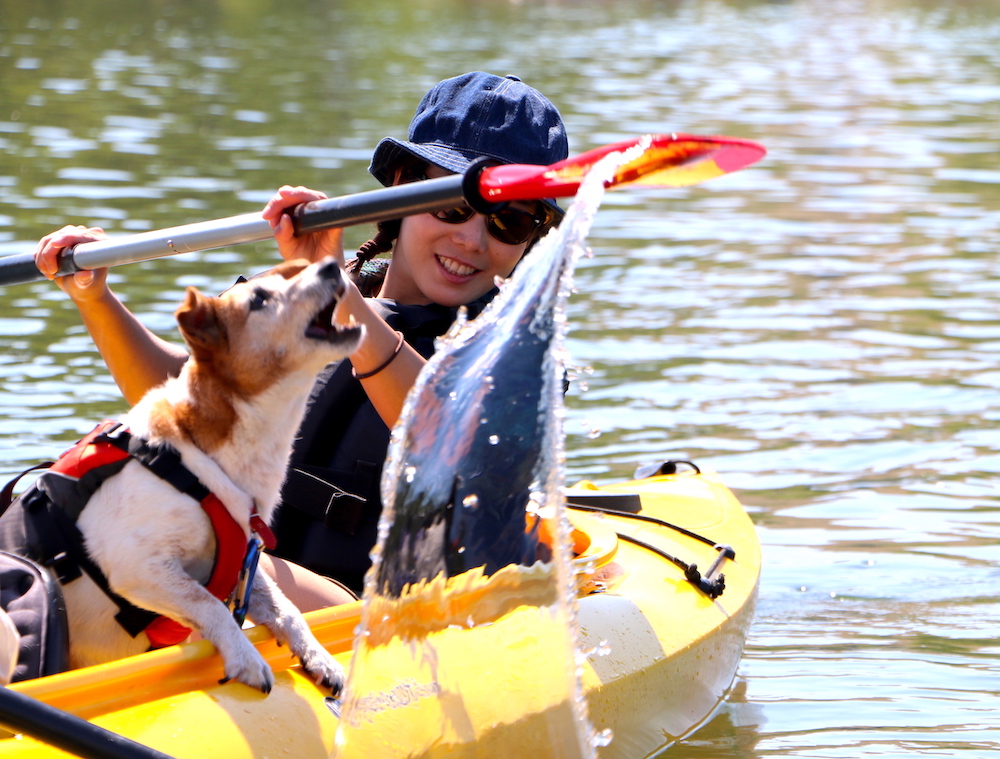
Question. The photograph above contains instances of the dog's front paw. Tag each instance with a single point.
(325, 671)
(250, 669)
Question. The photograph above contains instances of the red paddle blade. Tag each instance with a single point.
(669, 160)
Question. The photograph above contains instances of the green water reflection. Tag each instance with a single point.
(823, 329)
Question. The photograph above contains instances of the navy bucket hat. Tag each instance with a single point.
(477, 115)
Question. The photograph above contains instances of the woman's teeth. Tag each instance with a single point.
(455, 267)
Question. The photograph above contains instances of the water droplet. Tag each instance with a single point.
(602, 738)
(494, 439)
(603, 648)
(410, 473)
(471, 501)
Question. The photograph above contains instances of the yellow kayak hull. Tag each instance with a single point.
(661, 654)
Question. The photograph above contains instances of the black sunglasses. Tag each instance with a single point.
(508, 225)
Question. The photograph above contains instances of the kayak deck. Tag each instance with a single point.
(672, 650)
(661, 656)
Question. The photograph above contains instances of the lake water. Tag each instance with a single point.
(823, 329)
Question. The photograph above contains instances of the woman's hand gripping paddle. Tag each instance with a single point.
(674, 160)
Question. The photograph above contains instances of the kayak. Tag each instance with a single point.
(667, 570)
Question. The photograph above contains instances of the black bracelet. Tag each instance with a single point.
(373, 372)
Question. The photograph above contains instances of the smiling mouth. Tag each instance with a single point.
(457, 268)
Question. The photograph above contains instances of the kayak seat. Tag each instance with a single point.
(627, 502)
(587, 494)
(33, 601)
(594, 547)
(671, 466)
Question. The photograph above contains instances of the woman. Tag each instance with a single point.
(440, 262)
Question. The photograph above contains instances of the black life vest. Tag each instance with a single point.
(331, 500)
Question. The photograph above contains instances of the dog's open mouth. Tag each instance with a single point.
(323, 327)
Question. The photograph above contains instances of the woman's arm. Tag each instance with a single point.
(137, 359)
(304, 588)
(388, 387)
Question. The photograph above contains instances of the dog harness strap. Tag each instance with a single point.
(88, 454)
(63, 491)
(162, 460)
(58, 497)
(259, 526)
(7, 494)
(230, 541)
(230, 548)
(132, 619)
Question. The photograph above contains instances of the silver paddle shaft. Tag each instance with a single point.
(360, 208)
(202, 235)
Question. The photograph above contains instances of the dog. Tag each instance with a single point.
(231, 415)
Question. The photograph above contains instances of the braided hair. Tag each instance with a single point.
(368, 272)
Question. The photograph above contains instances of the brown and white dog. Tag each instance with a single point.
(232, 414)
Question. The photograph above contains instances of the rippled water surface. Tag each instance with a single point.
(823, 329)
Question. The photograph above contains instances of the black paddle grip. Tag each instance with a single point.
(471, 184)
(16, 270)
(378, 205)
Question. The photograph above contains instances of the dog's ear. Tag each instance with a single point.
(200, 324)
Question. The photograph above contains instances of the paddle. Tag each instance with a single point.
(65, 731)
(674, 160)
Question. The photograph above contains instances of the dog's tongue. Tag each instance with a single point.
(322, 325)
(332, 326)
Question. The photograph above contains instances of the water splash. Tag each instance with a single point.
(468, 641)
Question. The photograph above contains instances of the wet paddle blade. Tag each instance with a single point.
(674, 160)
(468, 640)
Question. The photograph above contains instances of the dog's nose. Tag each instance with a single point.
(331, 270)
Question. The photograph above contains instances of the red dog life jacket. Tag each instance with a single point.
(111, 443)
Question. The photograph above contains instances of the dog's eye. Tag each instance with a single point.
(259, 299)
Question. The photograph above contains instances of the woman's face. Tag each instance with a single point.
(447, 264)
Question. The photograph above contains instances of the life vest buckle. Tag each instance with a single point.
(240, 599)
(64, 567)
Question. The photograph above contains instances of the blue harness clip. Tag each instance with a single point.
(244, 587)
